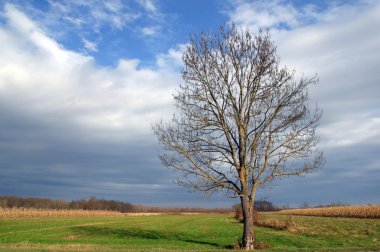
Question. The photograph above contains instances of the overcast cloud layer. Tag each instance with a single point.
(73, 126)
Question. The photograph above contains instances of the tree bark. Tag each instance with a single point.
(248, 235)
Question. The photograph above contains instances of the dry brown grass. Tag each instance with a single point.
(43, 213)
(344, 211)
(263, 221)
(142, 214)
(275, 223)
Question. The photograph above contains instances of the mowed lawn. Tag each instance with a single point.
(208, 232)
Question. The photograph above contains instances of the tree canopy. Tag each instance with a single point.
(243, 119)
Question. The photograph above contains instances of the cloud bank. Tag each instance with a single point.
(72, 128)
(341, 44)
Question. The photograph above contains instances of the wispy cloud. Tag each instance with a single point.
(91, 46)
(151, 30)
(157, 20)
(148, 5)
(84, 22)
(92, 15)
(285, 15)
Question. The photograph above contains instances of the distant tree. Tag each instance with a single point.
(285, 206)
(243, 119)
(4, 202)
(304, 205)
(339, 203)
(334, 204)
(265, 206)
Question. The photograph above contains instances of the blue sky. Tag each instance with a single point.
(81, 82)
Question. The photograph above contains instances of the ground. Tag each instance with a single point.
(205, 232)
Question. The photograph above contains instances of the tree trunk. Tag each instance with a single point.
(248, 235)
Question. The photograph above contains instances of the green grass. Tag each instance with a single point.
(185, 232)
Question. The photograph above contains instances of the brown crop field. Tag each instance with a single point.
(343, 211)
(43, 213)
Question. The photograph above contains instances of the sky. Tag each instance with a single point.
(81, 83)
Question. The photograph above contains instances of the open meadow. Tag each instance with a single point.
(175, 232)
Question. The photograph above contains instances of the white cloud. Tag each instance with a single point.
(172, 59)
(54, 101)
(148, 5)
(265, 14)
(91, 14)
(155, 17)
(151, 30)
(285, 15)
(74, 22)
(342, 45)
(351, 132)
(91, 46)
(66, 89)
(113, 5)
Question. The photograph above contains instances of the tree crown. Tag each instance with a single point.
(243, 119)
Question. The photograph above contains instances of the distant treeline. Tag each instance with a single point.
(94, 203)
(260, 206)
(86, 204)
(332, 204)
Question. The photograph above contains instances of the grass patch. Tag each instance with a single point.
(203, 232)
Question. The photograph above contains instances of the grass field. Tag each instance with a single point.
(206, 232)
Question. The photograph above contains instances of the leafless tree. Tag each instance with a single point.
(243, 119)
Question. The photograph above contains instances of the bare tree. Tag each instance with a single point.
(243, 119)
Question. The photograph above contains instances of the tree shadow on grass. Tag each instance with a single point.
(130, 232)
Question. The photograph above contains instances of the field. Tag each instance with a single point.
(202, 232)
(43, 213)
(344, 211)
